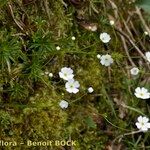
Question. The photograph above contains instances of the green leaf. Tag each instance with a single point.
(89, 121)
(145, 4)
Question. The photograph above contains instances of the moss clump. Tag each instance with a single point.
(30, 31)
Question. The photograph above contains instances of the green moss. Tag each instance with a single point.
(29, 99)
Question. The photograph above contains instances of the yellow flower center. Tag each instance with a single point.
(141, 94)
(65, 74)
(71, 86)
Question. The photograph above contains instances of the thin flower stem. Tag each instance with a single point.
(113, 124)
(133, 44)
(122, 135)
(78, 98)
(126, 50)
(142, 20)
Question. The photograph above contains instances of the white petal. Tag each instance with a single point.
(103, 57)
(111, 60)
(70, 71)
(107, 63)
(64, 77)
(139, 126)
(70, 76)
(71, 81)
(138, 90)
(140, 119)
(76, 84)
(61, 75)
(67, 85)
(144, 128)
(64, 69)
(75, 90)
(69, 90)
(145, 119)
(144, 90)
(147, 125)
(107, 56)
(147, 54)
(102, 62)
(146, 96)
(137, 95)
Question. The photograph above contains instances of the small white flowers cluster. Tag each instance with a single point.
(47, 73)
(142, 93)
(71, 85)
(143, 123)
(105, 60)
(63, 104)
(105, 37)
(134, 71)
(147, 55)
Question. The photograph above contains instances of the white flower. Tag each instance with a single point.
(50, 75)
(98, 56)
(146, 33)
(46, 72)
(106, 60)
(93, 28)
(142, 123)
(112, 22)
(90, 90)
(134, 71)
(63, 104)
(66, 73)
(72, 86)
(142, 93)
(105, 37)
(73, 38)
(147, 54)
(58, 48)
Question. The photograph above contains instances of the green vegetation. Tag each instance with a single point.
(30, 31)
